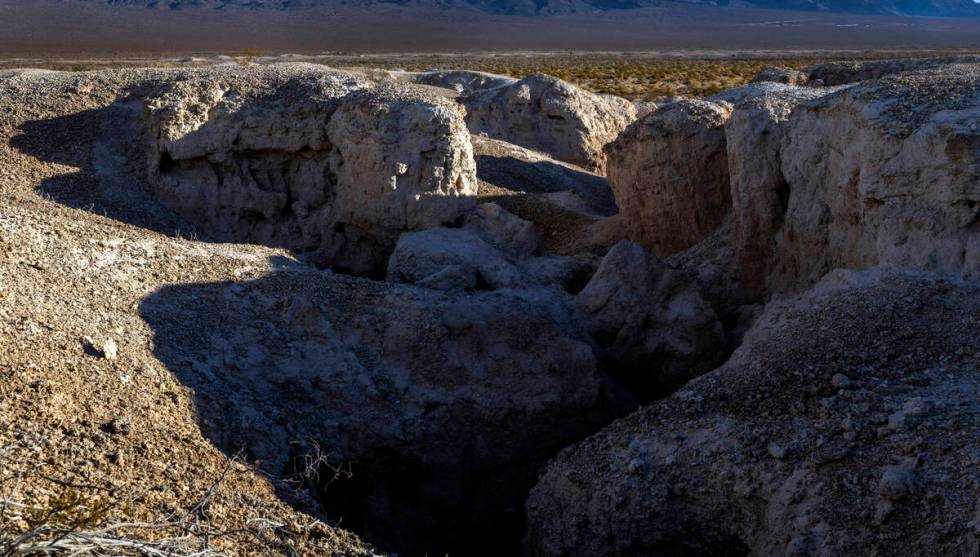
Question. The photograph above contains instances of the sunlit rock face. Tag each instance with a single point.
(310, 159)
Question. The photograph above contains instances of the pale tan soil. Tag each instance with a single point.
(72, 421)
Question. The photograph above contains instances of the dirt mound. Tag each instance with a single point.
(830, 429)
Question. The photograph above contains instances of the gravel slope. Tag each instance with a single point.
(86, 409)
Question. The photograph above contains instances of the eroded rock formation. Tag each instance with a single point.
(884, 172)
(442, 406)
(494, 250)
(781, 75)
(547, 114)
(669, 173)
(841, 73)
(420, 414)
(313, 160)
(759, 191)
(658, 329)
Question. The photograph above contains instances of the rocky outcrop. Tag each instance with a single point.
(494, 250)
(759, 191)
(781, 75)
(883, 172)
(547, 114)
(832, 428)
(669, 174)
(658, 330)
(309, 159)
(841, 73)
(517, 169)
(432, 412)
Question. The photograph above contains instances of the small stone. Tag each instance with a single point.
(916, 407)
(896, 422)
(635, 466)
(840, 381)
(110, 350)
(777, 451)
(883, 509)
(119, 426)
(896, 482)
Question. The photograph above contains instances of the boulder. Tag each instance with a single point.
(422, 416)
(669, 174)
(652, 320)
(505, 230)
(573, 210)
(309, 159)
(494, 250)
(451, 258)
(547, 114)
(833, 427)
(886, 171)
(523, 171)
(781, 75)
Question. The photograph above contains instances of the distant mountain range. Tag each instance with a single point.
(76, 29)
(938, 8)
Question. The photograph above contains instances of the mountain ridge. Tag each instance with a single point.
(933, 8)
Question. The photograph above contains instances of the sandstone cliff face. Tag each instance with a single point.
(828, 430)
(547, 114)
(669, 173)
(315, 160)
(884, 172)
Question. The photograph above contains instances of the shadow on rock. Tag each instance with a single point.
(106, 149)
(547, 177)
(420, 419)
